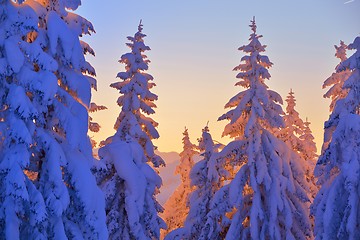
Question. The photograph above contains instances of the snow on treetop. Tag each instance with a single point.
(253, 25)
(256, 100)
(341, 51)
(352, 62)
(291, 102)
(254, 44)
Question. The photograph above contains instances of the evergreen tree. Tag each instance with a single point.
(308, 145)
(45, 96)
(308, 152)
(336, 206)
(336, 90)
(205, 178)
(62, 153)
(177, 207)
(22, 207)
(137, 99)
(268, 193)
(302, 143)
(294, 125)
(127, 180)
(218, 218)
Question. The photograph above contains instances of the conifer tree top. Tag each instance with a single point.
(336, 90)
(186, 161)
(291, 102)
(292, 117)
(341, 51)
(186, 140)
(337, 79)
(136, 100)
(308, 134)
(206, 143)
(256, 102)
(188, 147)
(253, 25)
(135, 89)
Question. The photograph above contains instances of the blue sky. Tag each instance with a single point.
(194, 49)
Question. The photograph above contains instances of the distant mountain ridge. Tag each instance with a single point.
(169, 179)
(167, 174)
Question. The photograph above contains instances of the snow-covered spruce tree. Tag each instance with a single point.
(308, 152)
(336, 90)
(218, 218)
(336, 206)
(294, 125)
(137, 99)
(22, 208)
(308, 144)
(269, 191)
(176, 207)
(205, 178)
(129, 183)
(53, 105)
(294, 135)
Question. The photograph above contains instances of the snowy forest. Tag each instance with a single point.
(268, 182)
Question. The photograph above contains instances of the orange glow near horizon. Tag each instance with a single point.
(192, 58)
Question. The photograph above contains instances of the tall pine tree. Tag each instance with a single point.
(205, 178)
(294, 125)
(269, 191)
(336, 206)
(177, 207)
(218, 218)
(308, 152)
(137, 100)
(63, 153)
(129, 183)
(51, 107)
(22, 207)
(300, 142)
(336, 91)
(308, 144)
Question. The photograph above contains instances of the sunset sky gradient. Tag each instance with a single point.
(194, 49)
